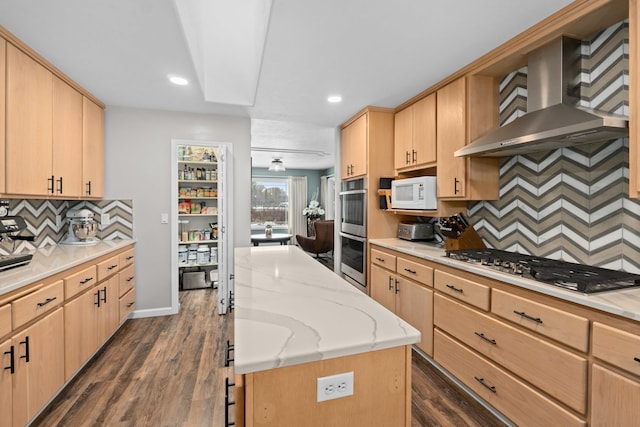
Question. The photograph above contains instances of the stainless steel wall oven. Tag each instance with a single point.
(353, 232)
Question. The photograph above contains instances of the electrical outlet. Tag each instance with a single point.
(335, 386)
(105, 219)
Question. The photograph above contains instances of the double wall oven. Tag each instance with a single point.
(353, 231)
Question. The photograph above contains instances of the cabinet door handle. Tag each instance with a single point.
(51, 188)
(97, 302)
(526, 316)
(86, 280)
(406, 160)
(453, 288)
(45, 302)
(489, 340)
(410, 271)
(25, 356)
(490, 387)
(455, 185)
(380, 259)
(397, 287)
(390, 282)
(12, 361)
(88, 190)
(414, 156)
(60, 187)
(104, 293)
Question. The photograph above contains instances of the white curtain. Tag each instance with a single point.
(323, 192)
(297, 203)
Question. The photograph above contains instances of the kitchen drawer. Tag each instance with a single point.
(127, 304)
(415, 271)
(383, 259)
(617, 347)
(126, 257)
(80, 281)
(558, 372)
(108, 267)
(462, 289)
(563, 327)
(36, 303)
(5, 320)
(127, 279)
(518, 401)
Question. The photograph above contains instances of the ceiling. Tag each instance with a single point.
(372, 52)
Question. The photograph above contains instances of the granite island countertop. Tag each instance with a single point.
(52, 260)
(290, 309)
(624, 303)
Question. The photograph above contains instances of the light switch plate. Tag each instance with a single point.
(164, 218)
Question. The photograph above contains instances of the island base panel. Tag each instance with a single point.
(287, 396)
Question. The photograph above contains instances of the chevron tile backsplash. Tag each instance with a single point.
(40, 216)
(570, 203)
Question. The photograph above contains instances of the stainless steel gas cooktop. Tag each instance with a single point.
(567, 275)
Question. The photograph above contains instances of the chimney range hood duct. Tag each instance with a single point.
(553, 118)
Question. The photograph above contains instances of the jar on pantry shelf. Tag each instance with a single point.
(214, 255)
(203, 255)
(183, 253)
(192, 258)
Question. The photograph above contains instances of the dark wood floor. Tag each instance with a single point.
(169, 371)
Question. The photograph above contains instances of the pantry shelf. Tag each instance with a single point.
(213, 264)
(196, 215)
(191, 242)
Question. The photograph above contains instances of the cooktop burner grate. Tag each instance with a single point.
(576, 277)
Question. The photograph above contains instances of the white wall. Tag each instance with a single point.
(138, 167)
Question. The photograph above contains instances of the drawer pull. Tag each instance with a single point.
(129, 257)
(130, 279)
(47, 301)
(637, 359)
(410, 271)
(130, 304)
(526, 316)
(490, 387)
(12, 362)
(26, 349)
(489, 340)
(111, 267)
(390, 282)
(379, 259)
(88, 279)
(453, 288)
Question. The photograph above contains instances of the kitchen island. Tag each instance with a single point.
(296, 321)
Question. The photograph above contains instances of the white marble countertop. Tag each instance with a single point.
(289, 309)
(625, 303)
(47, 262)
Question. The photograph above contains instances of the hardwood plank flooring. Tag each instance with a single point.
(169, 371)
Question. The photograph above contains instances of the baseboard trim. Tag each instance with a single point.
(155, 312)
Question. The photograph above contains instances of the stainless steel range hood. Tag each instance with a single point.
(553, 118)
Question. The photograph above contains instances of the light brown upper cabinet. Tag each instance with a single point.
(354, 148)
(53, 145)
(466, 109)
(29, 118)
(92, 149)
(67, 139)
(415, 135)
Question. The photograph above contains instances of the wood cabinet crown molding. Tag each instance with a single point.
(7, 35)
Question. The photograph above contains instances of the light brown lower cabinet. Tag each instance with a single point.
(6, 393)
(615, 399)
(382, 393)
(39, 365)
(514, 398)
(88, 321)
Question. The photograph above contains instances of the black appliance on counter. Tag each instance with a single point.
(567, 275)
(9, 227)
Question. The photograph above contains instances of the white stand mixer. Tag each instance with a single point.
(82, 228)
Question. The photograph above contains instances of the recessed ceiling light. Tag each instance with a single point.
(177, 80)
(334, 98)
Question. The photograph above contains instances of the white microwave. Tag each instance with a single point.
(414, 193)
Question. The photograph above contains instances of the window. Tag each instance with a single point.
(269, 200)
